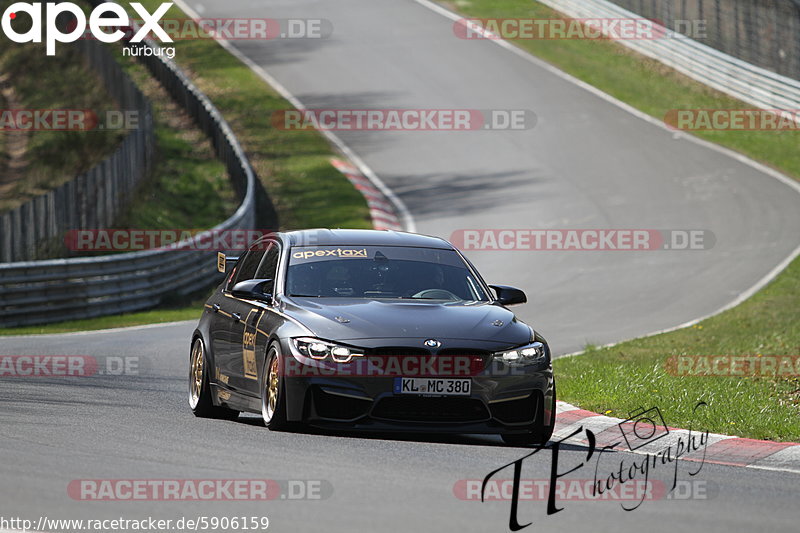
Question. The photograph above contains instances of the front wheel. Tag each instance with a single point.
(199, 388)
(273, 395)
(538, 435)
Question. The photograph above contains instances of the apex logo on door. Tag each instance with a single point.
(249, 345)
(107, 15)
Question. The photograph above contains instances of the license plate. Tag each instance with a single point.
(433, 386)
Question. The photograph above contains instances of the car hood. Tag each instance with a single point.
(353, 320)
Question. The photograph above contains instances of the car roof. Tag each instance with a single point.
(362, 237)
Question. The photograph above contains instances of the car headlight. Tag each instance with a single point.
(321, 350)
(532, 354)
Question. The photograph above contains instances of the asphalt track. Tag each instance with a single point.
(587, 164)
(58, 430)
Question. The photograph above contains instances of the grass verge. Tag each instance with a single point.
(620, 379)
(49, 158)
(189, 187)
(293, 165)
(154, 316)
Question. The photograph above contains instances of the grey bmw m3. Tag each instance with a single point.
(369, 330)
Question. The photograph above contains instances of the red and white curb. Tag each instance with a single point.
(721, 449)
(381, 209)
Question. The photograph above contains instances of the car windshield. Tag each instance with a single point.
(381, 272)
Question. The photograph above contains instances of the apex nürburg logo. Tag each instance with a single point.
(30, 28)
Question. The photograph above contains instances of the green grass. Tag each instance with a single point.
(293, 165)
(631, 375)
(155, 316)
(40, 82)
(189, 187)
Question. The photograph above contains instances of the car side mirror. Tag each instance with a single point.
(509, 295)
(252, 289)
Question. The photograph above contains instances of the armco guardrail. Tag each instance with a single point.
(746, 82)
(765, 33)
(62, 289)
(94, 198)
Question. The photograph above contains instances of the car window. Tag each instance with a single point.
(381, 272)
(246, 269)
(269, 266)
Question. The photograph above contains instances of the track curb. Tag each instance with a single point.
(381, 209)
(719, 449)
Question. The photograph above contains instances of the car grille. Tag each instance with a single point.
(389, 351)
(431, 410)
(478, 360)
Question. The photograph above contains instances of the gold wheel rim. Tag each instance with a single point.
(196, 381)
(272, 387)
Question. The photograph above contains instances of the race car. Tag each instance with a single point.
(369, 330)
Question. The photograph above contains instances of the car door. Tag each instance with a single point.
(229, 337)
(219, 326)
(253, 317)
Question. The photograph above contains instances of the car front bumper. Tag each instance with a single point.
(502, 399)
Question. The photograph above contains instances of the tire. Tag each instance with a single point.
(200, 389)
(538, 435)
(273, 392)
